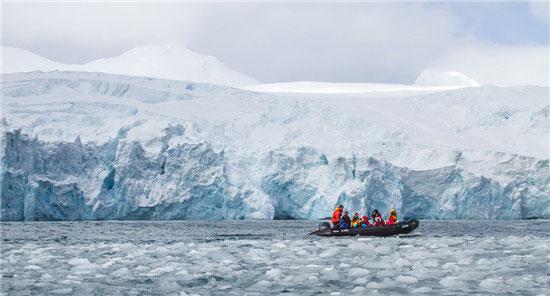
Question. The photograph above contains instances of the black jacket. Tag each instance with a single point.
(346, 219)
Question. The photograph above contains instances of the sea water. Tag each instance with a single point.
(272, 257)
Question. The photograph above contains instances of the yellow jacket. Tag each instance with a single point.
(355, 221)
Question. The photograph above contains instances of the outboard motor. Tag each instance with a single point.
(413, 223)
(324, 226)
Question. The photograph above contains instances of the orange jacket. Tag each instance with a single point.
(392, 219)
(336, 215)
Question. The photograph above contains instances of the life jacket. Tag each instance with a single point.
(336, 215)
(365, 222)
(355, 221)
(343, 225)
(378, 221)
(392, 219)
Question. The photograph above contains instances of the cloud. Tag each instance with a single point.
(272, 42)
(541, 11)
(81, 32)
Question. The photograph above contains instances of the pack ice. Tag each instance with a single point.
(81, 146)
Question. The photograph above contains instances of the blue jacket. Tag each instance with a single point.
(343, 225)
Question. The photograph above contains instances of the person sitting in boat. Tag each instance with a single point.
(365, 222)
(392, 219)
(345, 221)
(377, 218)
(336, 216)
(355, 221)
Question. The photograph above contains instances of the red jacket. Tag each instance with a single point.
(336, 215)
(392, 220)
(366, 221)
(378, 221)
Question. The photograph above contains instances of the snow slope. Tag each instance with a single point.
(427, 82)
(101, 146)
(20, 60)
(169, 61)
(374, 89)
(438, 78)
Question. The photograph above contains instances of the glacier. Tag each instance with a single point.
(94, 146)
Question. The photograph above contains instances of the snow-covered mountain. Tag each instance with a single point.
(102, 146)
(169, 61)
(21, 60)
(446, 78)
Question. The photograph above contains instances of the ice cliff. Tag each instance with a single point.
(98, 146)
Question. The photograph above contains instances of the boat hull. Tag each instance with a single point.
(386, 230)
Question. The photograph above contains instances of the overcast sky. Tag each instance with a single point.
(375, 42)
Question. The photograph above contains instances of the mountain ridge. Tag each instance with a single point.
(169, 61)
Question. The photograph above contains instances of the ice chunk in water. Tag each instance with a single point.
(407, 279)
(358, 272)
(160, 270)
(385, 273)
(421, 290)
(120, 272)
(490, 283)
(375, 285)
(262, 284)
(78, 261)
(33, 267)
(274, 273)
(142, 268)
(64, 291)
(430, 263)
(168, 286)
(451, 282)
(384, 250)
(46, 277)
(82, 266)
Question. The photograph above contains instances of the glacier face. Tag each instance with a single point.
(81, 146)
(118, 180)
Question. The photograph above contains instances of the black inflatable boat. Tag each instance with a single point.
(386, 230)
